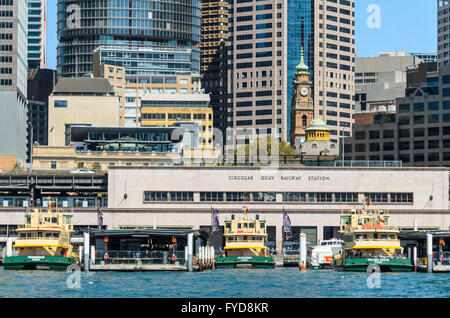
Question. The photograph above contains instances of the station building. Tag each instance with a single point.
(314, 197)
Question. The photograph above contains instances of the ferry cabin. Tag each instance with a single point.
(367, 234)
(45, 234)
(244, 237)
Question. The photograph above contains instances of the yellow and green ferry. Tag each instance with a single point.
(244, 244)
(43, 242)
(369, 241)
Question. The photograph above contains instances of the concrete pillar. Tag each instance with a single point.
(9, 247)
(279, 238)
(414, 252)
(165, 255)
(80, 256)
(186, 255)
(86, 249)
(429, 253)
(319, 234)
(190, 251)
(92, 254)
(303, 250)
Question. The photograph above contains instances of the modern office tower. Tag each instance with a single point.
(417, 133)
(334, 64)
(84, 25)
(40, 86)
(214, 53)
(443, 33)
(266, 41)
(13, 78)
(37, 34)
(257, 101)
(380, 80)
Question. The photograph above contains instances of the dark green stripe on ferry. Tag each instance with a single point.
(254, 261)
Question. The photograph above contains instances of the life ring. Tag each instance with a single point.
(174, 257)
(106, 256)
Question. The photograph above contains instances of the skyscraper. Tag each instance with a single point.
(443, 32)
(266, 40)
(37, 34)
(13, 78)
(214, 54)
(84, 25)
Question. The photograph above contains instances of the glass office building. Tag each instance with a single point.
(84, 25)
(300, 28)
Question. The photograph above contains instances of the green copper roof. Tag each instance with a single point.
(302, 68)
(317, 124)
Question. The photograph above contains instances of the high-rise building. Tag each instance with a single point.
(85, 25)
(40, 85)
(443, 33)
(381, 79)
(214, 54)
(13, 78)
(37, 34)
(266, 39)
(257, 101)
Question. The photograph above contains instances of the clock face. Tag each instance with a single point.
(304, 91)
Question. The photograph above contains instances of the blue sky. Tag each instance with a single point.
(405, 25)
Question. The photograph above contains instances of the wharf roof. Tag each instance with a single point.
(140, 232)
(422, 234)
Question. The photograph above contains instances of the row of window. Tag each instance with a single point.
(337, 197)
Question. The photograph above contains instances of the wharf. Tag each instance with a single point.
(136, 267)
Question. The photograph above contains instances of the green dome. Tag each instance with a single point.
(317, 124)
(302, 67)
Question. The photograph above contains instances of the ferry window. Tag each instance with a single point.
(251, 225)
(262, 225)
(47, 219)
(55, 234)
(245, 238)
(239, 225)
(54, 220)
(228, 225)
(22, 235)
(245, 225)
(359, 222)
(48, 234)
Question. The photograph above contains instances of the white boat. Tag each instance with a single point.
(321, 256)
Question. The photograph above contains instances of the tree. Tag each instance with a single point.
(284, 149)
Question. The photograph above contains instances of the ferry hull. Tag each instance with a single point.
(386, 265)
(38, 262)
(245, 262)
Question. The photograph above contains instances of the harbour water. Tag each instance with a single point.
(278, 282)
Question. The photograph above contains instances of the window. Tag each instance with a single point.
(60, 103)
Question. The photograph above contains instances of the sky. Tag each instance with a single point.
(401, 25)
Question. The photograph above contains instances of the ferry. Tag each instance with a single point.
(369, 241)
(43, 242)
(321, 256)
(244, 244)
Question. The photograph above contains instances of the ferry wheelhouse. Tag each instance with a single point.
(369, 240)
(43, 242)
(244, 244)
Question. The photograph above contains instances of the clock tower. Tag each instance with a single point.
(302, 105)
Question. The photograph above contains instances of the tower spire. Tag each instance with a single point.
(302, 68)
